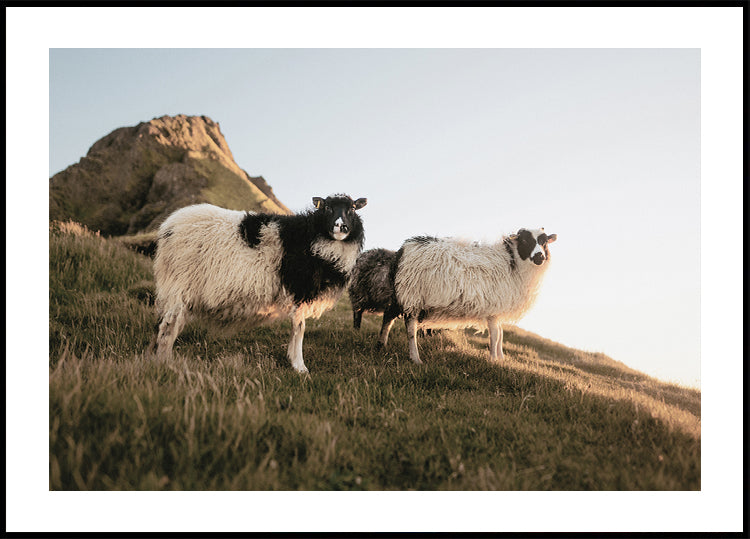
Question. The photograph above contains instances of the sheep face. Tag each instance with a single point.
(533, 245)
(338, 212)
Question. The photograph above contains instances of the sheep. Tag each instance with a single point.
(449, 283)
(371, 289)
(245, 268)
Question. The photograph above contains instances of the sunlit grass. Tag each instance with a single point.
(228, 413)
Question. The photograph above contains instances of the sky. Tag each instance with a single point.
(586, 260)
(600, 146)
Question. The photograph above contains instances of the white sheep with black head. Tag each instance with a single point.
(239, 268)
(451, 283)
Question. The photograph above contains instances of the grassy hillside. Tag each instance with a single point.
(227, 413)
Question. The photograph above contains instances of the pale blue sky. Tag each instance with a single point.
(601, 146)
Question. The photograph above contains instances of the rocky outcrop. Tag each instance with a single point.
(131, 179)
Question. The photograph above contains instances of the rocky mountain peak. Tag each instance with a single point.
(132, 178)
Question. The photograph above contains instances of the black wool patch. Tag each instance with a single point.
(303, 274)
(509, 249)
(250, 227)
(423, 240)
(306, 276)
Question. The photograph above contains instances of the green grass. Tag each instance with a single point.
(228, 413)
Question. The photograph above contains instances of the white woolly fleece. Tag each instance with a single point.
(233, 281)
(459, 283)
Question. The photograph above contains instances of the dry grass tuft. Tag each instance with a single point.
(72, 227)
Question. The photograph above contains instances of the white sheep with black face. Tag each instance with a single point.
(243, 268)
(450, 283)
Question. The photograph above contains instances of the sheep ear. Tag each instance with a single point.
(318, 202)
(551, 238)
(360, 203)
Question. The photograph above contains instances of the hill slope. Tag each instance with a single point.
(227, 413)
(131, 179)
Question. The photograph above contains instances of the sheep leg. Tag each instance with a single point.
(151, 349)
(385, 330)
(357, 318)
(411, 333)
(170, 327)
(496, 339)
(389, 316)
(499, 351)
(294, 353)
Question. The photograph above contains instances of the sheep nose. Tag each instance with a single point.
(538, 259)
(344, 228)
